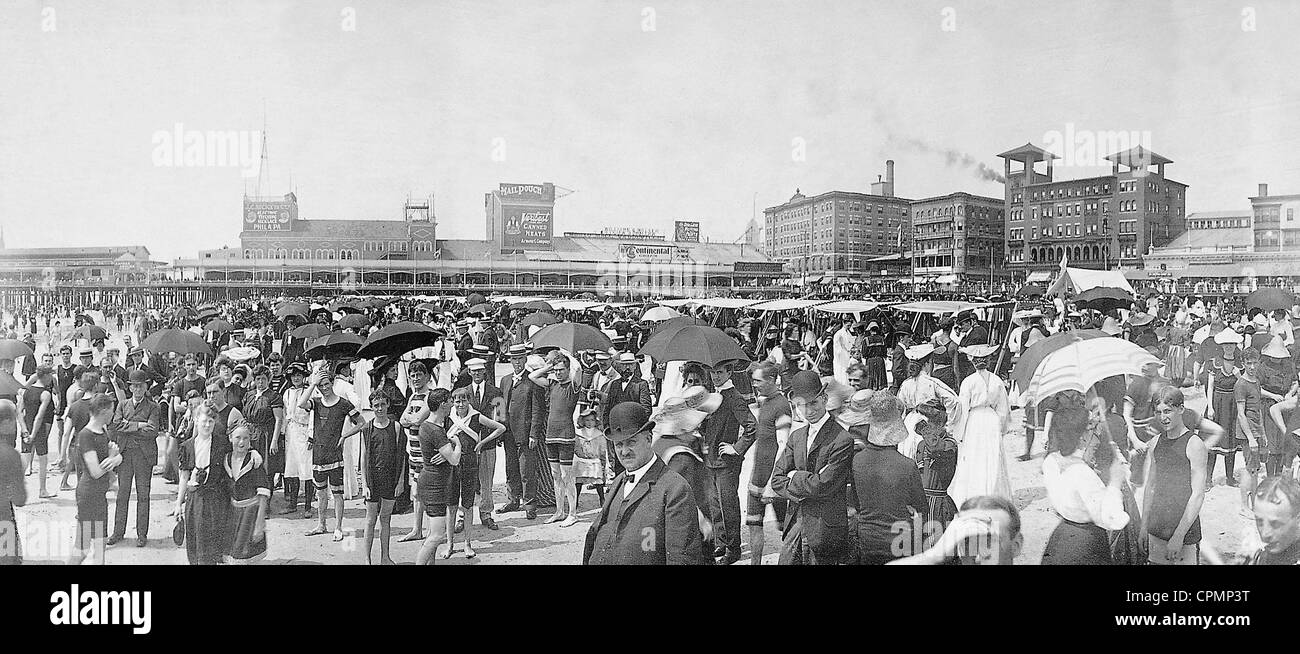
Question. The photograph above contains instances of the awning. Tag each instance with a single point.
(841, 280)
(814, 279)
(786, 304)
(1039, 276)
(1136, 275)
(943, 306)
(1217, 270)
(847, 306)
(945, 279)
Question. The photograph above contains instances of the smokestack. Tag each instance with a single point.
(889, 172)
(1263, 190)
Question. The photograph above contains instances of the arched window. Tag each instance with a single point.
(248, 253)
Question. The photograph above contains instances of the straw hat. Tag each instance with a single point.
(1139, 319)
(855, 410)
(885, 417)
(677, 416)
(1111, 326)
(1276, 349)
(1228, 336)
(243, 353)
(919, 352)
(979, 351)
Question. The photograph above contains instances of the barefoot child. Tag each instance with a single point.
(589, 454)
(383, 446)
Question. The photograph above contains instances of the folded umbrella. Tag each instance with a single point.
(707, 345)
(571, 336)
(397, 339)
(334, 345)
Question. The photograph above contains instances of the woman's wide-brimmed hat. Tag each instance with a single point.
(1275, 349)
(855, 410)
(1228, 335)
(919, 352)
(677, 417)
(243, 353)
(885, 417)
(979, 351)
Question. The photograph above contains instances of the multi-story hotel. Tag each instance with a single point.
(1099, 222)
(959, 241)
(832, 235)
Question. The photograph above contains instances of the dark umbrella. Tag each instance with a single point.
(181, 341)
(329, 315)
(300, 309)
(1030, 290)
(11, 348)
(707, 345)
(91, 332)
(1270, 299)
(675, 324)
(310, 331)
(333, 346)
(347, 307)
(475, 298)
(218, 325)
(354, 321)
(428, 306)
(398, 339)
(1032, 357)
(590, 297)
(85, 319)
(1104, 298)
(539, 319)
(533, 305)
(571, 336)
(482, 309)
(9, 385)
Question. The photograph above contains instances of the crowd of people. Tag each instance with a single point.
(874, 438)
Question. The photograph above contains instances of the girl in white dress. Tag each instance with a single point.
(297, 457)
(981, 462)
(919, 388)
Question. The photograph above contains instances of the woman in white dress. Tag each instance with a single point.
(981, 462)
(297, 457)
(919, 388)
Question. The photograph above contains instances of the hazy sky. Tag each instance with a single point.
(685, 121)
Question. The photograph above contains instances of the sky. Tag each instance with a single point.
(649, 111)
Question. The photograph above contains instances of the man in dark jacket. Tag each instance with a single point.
(626, 387)
(813, 472)
(135, 428)
(525, 424)
(649, 517)
(727, 432)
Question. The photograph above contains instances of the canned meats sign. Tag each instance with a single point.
(527, 228)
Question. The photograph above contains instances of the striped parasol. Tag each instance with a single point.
(1078, 366)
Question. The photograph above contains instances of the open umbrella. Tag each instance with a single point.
(354, 321)
(397, 339)
(676, 323)
(300, 309)
(571, 336)
(180, 341)
(9, 385)
(12, 348)
(317, 310)
(219, 326)
(591, 297)
(349, 306)
(539, 319)
(483, 308)
(1104, 298)
(533, 305)
(85, 319)
(655, 314)
(428, 306)
(90, 332)
(1034, 355)
(310, 331)
(1270, 299)
(1030, 290)
(1079, 365)
(475, 298)
(707, 345)
(335, 345)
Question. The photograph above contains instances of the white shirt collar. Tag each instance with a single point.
(816, 427)
(726, 386)
(633, 476)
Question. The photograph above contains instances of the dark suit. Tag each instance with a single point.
(733, 424)
(655, 525)
(815, 479)
(523, 408)
(614, 393)
(898, 365)
(489, 402)
(139, 449)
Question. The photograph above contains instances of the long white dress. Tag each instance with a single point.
(920, 389)
(842, 350)
(297, 458)
(981, 462)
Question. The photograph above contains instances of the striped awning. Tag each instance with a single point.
(1039, 276)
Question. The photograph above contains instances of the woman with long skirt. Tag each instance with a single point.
(981, 461)
(1087, 506)
(204, 497)
(250, 495)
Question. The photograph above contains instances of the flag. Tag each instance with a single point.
(1062, 261)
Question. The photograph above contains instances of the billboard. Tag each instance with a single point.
(687, 231)
(275, 216)
(526, 228)
(641, 252)
(527, 192)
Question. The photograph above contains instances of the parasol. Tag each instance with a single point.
(707, 345)
(539, 319)
(333, 346)
(180, 341)
(571, 336)
(1104, 298)
(397, 339)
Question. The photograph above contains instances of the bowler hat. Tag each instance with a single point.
(628, 419)
(138, 377)
(807, 384)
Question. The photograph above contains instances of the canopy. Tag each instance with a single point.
(576, 305)
(786, 304)
(847, 306)
(943, 306)
(1082, 279)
